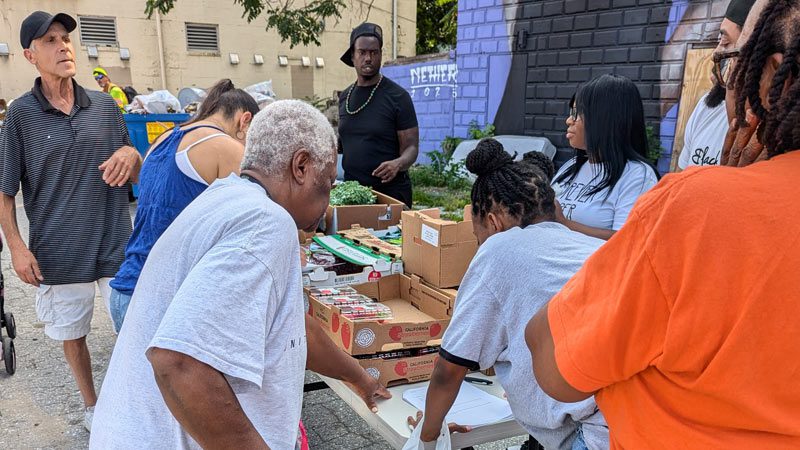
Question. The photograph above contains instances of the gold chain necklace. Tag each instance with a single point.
(347, 100)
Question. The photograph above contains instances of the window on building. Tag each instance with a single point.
(202, 37)
(98, 30)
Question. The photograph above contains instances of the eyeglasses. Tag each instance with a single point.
(98, 77)
(723, 67)
(573, 112)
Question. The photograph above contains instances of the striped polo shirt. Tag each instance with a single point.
(78, 224)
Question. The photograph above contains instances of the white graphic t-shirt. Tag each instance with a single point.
(705, 135)
(602, 209)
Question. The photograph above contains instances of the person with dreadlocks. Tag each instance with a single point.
(693, 329)
(745, 142)
(523, 259)
(708, 123)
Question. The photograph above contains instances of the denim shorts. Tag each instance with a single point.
(118, 306)
(579, 443)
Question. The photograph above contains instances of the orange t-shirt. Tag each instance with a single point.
(687, 322)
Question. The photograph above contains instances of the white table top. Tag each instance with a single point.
(390, 421)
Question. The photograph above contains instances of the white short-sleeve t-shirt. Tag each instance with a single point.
(221, 285)
(704, 136)
(602, 209)
(513, 275)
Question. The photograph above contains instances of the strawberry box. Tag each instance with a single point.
(417, 366)
(418, 320)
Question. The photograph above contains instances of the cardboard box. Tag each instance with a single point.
(374, 266)
(369, 238)
(411, 326)
(438, 250)
(431, 300)
(304, 236)
(384, 213)
(392, 372)
(325, 278)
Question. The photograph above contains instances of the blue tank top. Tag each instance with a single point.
(164, 191)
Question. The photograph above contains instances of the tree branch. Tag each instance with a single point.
(299, 25)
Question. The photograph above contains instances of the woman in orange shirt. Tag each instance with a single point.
(686, 333)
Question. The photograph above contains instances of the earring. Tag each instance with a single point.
(241, 138)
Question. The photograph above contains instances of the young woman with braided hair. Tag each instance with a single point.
(692, 328)
(524, 258)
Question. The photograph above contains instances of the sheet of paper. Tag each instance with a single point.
(473, 407)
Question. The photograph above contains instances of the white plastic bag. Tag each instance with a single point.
(415, 443)
(262, 93)
(159, 102)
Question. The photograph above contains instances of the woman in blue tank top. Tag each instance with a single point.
(180, 165)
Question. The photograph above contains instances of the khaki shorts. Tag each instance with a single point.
(66, 309)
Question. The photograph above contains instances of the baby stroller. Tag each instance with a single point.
(8, 356)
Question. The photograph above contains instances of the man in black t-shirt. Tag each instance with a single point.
(378, 132)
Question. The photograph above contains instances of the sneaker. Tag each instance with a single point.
(88, 415)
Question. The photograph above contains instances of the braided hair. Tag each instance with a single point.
(521, 188)
(541, 162)
(777, 31)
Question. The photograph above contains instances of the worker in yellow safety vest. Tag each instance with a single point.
(116, 92)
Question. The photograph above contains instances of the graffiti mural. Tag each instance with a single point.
(432, 83)
(434, 79)
(517, 65)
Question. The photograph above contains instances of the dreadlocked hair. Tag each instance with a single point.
(521, 188)
(777, 31)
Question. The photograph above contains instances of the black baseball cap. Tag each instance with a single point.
(37, 24)
(365, 29)
(738, 10)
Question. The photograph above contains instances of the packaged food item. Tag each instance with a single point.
(345, 300)
(388, 355)
(318, 256)
(368, 311)
(426, 351)
(329, 291)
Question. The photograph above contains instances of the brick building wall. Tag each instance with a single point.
(568, 42)
(431, 82)
(519, 62)
(483, 56)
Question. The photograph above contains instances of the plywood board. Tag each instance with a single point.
(696, 82)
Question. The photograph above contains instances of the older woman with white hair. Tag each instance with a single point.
(214, 347)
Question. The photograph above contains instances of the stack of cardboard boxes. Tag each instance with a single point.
(435, 256)
(384, 214)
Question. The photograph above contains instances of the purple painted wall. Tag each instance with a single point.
(483, 56)
(522, 60)
(432, 84)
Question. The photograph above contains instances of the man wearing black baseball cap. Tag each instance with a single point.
(708, 124)
(378, 131)
(70, 150)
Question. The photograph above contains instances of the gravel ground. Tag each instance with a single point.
(40, 406)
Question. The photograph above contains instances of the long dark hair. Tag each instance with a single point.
(613, 119)
(224, 97)
(522, 188)
(777, 31)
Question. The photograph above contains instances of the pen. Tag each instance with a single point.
(478, 381)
